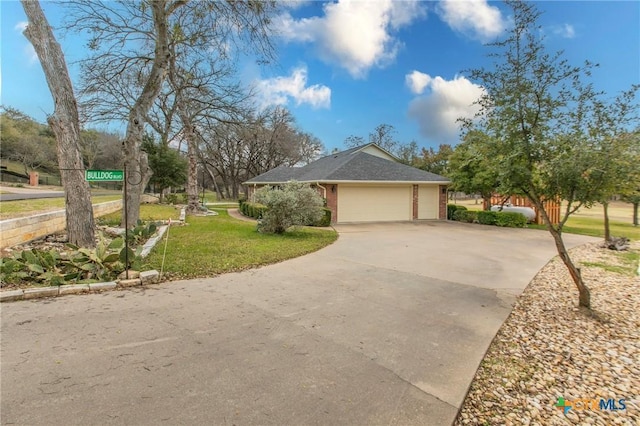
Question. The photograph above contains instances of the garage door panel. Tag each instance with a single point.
(374, 203)
(428, 202)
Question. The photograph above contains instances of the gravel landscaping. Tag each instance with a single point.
(548, 348)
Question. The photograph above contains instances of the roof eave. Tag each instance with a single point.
(381, 182)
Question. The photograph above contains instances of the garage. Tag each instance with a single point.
(372, 203)
(366, 184)
(428, 200)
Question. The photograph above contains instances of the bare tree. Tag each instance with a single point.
(65, 124)
(132, 42)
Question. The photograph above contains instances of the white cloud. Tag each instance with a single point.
(417, 81)
(278, 91)
(564, 30)
(355, 35)
(472, 17)
(21, 26)
(29, 51)
(31, 54)
(437, 112)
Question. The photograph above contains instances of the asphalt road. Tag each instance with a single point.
(31, 196)
(386, 326)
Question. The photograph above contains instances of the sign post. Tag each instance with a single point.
(114, 176)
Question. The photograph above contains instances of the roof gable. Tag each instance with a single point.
(364, 163)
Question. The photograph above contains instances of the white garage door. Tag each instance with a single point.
(428, 200)
(374, 203)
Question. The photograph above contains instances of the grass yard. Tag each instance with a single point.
(21, 208)
(212, 245)
(589, 221)
(148, 212)
(595, 228)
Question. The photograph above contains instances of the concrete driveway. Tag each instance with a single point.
(386, 326)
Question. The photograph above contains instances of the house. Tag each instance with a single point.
(366, 184)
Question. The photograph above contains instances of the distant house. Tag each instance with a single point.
(367, 184)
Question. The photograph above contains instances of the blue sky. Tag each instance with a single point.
(345, 67)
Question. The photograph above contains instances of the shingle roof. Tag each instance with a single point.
(349, 165)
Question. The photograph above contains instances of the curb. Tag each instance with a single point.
(146, 277)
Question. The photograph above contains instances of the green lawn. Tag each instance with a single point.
(212, 245)
(17, 208)
(595, 228)
(148, 212)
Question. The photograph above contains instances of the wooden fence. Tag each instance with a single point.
(551, 207)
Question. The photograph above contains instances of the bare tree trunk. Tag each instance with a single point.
(136, 161)
(607, 228)
(215, 184)
(584, 294)
(192, 177)
(635, 213)
(65, 124)
(193, 204)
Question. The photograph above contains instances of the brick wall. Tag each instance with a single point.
(415, 202)
(332, 200)
(442, 190)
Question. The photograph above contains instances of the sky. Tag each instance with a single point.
(345, 67)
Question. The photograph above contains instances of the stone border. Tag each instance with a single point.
(146, 277)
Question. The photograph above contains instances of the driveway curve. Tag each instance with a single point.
(386, 326)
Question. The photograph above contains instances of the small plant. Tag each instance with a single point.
(102, 263)
(37, 266)
(142, 232)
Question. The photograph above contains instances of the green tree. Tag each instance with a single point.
(26, 141)
(294, 203)
(436, 161)
(168, 165)
(471, 168)
(630, 190)
(534, 114)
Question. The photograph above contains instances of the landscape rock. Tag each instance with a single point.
(553, 349)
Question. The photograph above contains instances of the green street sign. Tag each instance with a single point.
(103, 175)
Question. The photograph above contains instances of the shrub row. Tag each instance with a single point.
(254, 210)
(505, 219)
(452, 209)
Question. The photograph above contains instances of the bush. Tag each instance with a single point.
(171, 198)
(511, 219)
(487, 217)
(294, 203)
(254, 210)
(464, 215)
(326, 218)
(451, 210)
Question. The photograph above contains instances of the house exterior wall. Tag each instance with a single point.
(372, 150)
(330, 193)
(415, 202)
(332, 200)
(443, 202)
